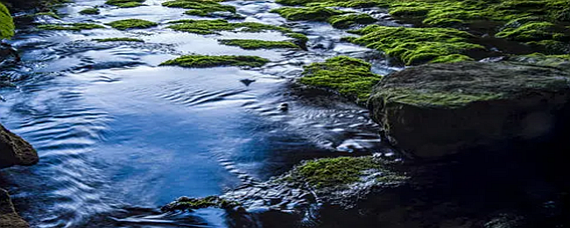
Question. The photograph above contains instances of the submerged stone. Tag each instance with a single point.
(202, 61)
(348, 76)
(200, 7)
(119, 39)
(434, 110)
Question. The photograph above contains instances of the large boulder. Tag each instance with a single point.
(8, 216)
(15, 150)
(440, 109)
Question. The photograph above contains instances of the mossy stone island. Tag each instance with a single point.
(132, 24)
(201, 61)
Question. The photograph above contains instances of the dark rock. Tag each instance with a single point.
(434, 110)
(8, 216)
(15, 151)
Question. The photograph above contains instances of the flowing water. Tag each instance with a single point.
(119, 136)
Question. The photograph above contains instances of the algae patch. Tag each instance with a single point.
(347, 20)
(349, 76)
(132, 24)
(203, 61)
(215, 26)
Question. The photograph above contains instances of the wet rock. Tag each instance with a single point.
(8, 216)
(283, 107)
(15, 150)
(441, 109)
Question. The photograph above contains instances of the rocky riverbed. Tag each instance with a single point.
(469, 101)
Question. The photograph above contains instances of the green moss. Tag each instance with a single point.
(451, 58)
(125, 3)
(215, 26)
(202, 61)
(532, 31)
(49, 14)
(315, 13)
(350, 4)
(340, 172)
(433, 99)
(551, 47)
(132, 23)
(119, 39)
(73, 26)
(200, 7)
(349, 76)
(190, 204)
(415, 45)
(6, 23)
(347, 20)
(89, 11)
(258, 44)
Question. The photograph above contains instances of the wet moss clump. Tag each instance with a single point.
(6, 23)
(349, 76)
(316, 13)
(125, 3)
(258, 44)
(89, 11)
(414, 46)
(533, 31)
(215, 26)
(203, 61)
(345, 21)
(190, 204)
(200, 7)
(340, 172)
(72, 27)
(119, 39)
(131, 24)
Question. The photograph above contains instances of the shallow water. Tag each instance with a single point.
(119, 136)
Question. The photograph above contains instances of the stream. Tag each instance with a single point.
(119, 136)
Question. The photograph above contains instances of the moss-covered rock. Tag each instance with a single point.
(190, 204)
(132, 24)
(200, 7)
(349, 76)
(347, 20)
(340, 172)
(119, 39)
(414, 46)
(533, 31)
(73, 26)
(202, 61)
(125, 3)
(49, 14)
(89, 11)
(315, 13)
(441, 109)
(258, 44)
(6, 23)
(215, 26)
